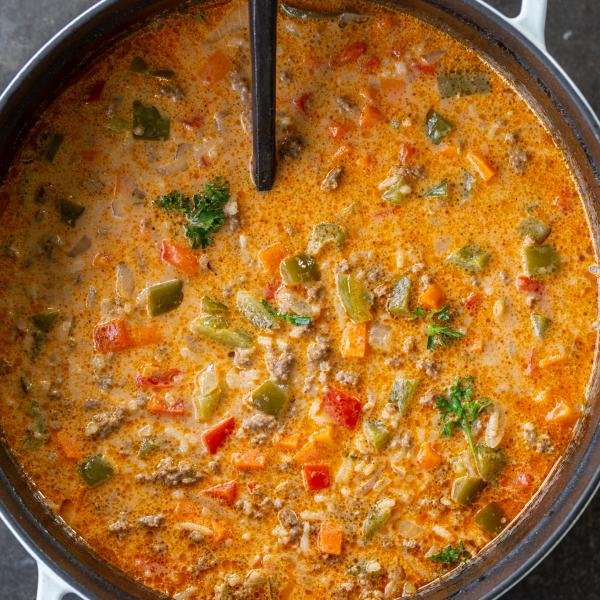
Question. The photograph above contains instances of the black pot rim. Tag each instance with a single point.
(530, 550)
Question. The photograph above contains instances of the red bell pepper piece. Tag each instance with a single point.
(526, 284)
(158, 405)
(112, 336)
(157, 379)
(301, 102)
(342, 408)
(349, 54)
(182, 258)
(214, 437)
(407, 151)
(370, 64)
(94, 92)
(316, 477)
(271, 289)
(224, 491)
(473, 301)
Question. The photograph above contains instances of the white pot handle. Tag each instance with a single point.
(531, 21)
(50, 586)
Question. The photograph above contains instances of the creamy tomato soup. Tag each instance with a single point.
(344, 387)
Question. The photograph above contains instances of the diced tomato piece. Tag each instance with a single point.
(272, 288)
(340, 130)
(370, 115)
(224, 491)
(370, 64)
(349, 54)
(184, 259)
(424, 67)
(473, 301)
(216, 67)
(157, 379)
(532, 286)
(407, 151)
(214, 437)
(112, 336)
(158, 405)
(342, 408)
(316, 477)
(523, 479)
(301, 103)
(94, 92)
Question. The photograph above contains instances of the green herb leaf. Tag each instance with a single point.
(204, 211)
(450, 555)
(458, 410)
(441, 335)
(292, 318)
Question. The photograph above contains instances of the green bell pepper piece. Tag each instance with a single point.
(470, 258)
(540, 325)
(379, 514)
(207, 394)
(255, 311)
(164, 297)
(148, 123)
(490, 462)
(491, 518)
(462, 84)
(45, 320)
(355, 298)
(533, 228)
(437, 191)
(540, 261)
(398, 304)
(139, 65)
(326, 233)
(147, 446)
(210, 306)
(436, 127)
(466, 489)
(70, 211)
(53, 145)
(95, 470)
(216, 328)
(398, 192)
(403, 390)
(377, 434)
(299, 269)
(269, 398)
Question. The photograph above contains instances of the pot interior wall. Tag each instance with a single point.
(569, 486)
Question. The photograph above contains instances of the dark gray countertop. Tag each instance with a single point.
(572, 571)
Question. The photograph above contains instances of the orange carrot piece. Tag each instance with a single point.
(145, 335)
(157, 405)
(354, 340)
(224, 491)
(216, 67)
(288, 442)
(482, 165)
(427, 457)
(433, 297)
(272, 255)
(184, 259)
(392, 89)
(330, 538)
(251, 460)
(370, 116)
(187, 510)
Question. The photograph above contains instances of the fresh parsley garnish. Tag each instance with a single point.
(441, 335)
(292, 318)
(438, 335)
(203, 211)
(450, 555)
(458, 410)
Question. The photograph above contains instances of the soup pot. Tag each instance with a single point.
(516, 48)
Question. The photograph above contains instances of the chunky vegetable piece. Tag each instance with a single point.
(325, 234)
(470, 258)
(95, 470)
(377, 517)
(491, 518)
(299, 269)
(269, 398)
(437, 128)
(148, 123)
(540, 261)
(316, 477)
(164, 297)
(355, 298)
(255, 311)
(403, 391)
(214, 437)
(342, 408)
(462, 84)
(398, 304)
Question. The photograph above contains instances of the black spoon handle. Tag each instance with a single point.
(263, 42)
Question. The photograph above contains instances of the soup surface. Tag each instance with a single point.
(341, 388)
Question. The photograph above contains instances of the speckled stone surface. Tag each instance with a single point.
(572, 571)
